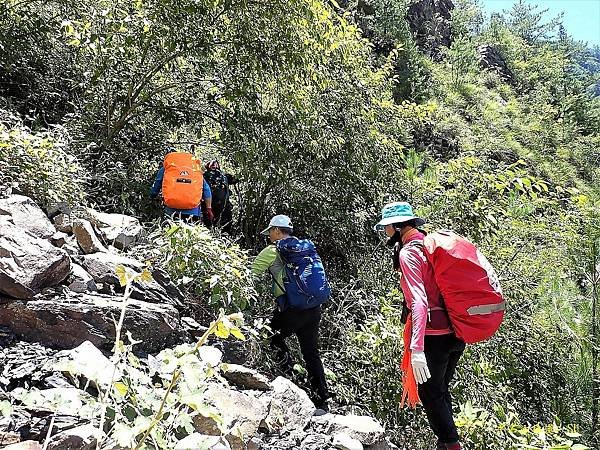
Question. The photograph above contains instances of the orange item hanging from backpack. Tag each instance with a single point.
(468, 283)
(182, 181)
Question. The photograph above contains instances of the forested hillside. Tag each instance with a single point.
(325, 111)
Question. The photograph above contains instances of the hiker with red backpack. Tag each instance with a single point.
(451, 297)
(183, 187)
(300, 287)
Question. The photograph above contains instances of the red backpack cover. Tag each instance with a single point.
(468, 283)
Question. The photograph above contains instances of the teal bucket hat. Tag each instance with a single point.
(397, 212)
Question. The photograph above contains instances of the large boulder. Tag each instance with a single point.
(198, 440)
(82, 437)
(88, 362)
(103, 266)
(430, 23)
(241, 415)
(159, 290)
(244, 377)
(67, 322)
(80, 281)
(63, 223)
(119, 230)
(56, 209)
(490, 58)
(363, 428)
(28, 263)
(290, 407)
(86, 237)
(342, 441)
(27, 215)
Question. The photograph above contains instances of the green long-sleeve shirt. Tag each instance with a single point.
(269, 259)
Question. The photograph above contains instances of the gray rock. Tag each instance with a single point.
(28, 263)
(290, 407)
(491, 59)
(80, 281)
(117, 229)
(67, 322)
(63, 223)
(27, 215)
(56, 380)
(363, 428)
(195, 329)
(210, 355)
(86, 237)
(88, 362)
(24, 363)
(59, 239)
(25, 445)
(123, 238)
(155, 292)
(430, 23)
(107, 220)
(383, 444)
(342, 441)
(316, 441)
(241, 415)
(244, 377)
(58, 208)
(79, 438)
(197, 440)
(102, 266)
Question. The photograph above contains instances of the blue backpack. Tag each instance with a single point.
(305, 282)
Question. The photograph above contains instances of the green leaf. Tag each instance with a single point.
(121, 388)
(6, 408)
(235, 331)
(121, 273)
(222, 331)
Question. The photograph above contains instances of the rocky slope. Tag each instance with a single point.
(60, 298)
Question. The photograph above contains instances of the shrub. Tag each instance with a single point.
(207, 266)
(38, 164)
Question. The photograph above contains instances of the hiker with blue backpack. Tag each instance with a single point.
(451, 297)
(300, 288)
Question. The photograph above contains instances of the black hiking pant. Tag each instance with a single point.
(442, 353)
(223, 215)
(305, 325)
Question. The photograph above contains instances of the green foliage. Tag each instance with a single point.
(38, 164)
(38, 76)
(502, 429)
(152, 404)
(326, 113)
(212, 268)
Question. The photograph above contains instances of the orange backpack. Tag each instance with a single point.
(182, 181)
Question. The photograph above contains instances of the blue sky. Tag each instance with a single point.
(581, 17)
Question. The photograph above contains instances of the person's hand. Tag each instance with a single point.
(209, 214)
(419, 366)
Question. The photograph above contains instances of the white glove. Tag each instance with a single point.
(419, 366)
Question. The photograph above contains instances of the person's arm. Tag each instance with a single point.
(206, 195)
(264, 260)
(157, 185)
(416, 297)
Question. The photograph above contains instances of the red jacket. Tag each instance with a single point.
(421, 293)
